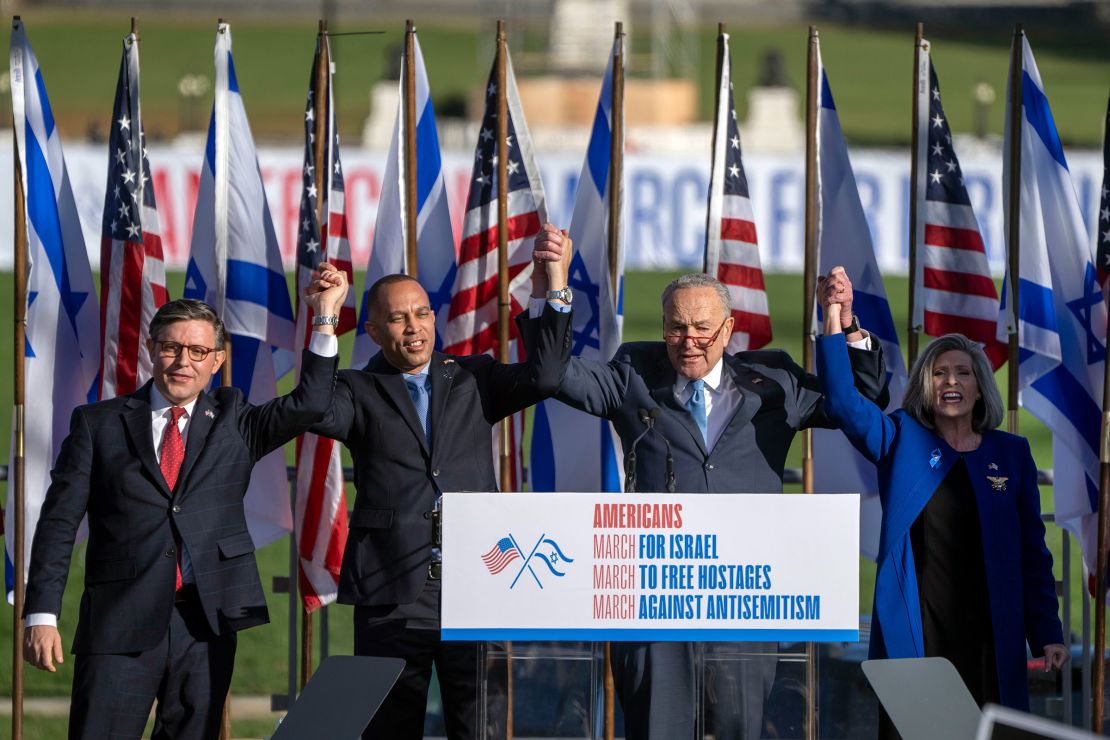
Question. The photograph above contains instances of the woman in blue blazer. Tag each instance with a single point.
(963, 571)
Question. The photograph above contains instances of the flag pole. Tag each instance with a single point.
(16, 493)
(716, 107)
(502, 174)
(616, 167)
(1103, 518)
(409, 95)
(320, 139)
(809, 286)
(1014, 225)
(914, 328)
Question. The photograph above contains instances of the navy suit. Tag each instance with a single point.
(1020, 587)
(655, 681)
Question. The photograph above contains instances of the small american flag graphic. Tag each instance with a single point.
(955, 285)
(500, 555)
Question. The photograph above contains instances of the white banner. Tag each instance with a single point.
(595, 566)
(664, 200)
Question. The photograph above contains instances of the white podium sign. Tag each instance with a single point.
(602, 566)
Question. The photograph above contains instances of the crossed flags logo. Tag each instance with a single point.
(546, 551)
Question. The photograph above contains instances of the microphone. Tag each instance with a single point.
(654, 415)
(630, 457)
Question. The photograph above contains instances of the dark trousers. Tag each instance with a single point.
(188, 672)
(401, 715)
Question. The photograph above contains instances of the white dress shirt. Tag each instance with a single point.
(324, 345)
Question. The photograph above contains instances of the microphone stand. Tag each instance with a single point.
(653, 416)
(630, 459)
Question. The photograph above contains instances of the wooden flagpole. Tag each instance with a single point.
(409, 98)
(809, 286)
(616, 169)
(17, 479)
(1103, 525)
(913, 332)
(1014, 225)
(321, 146)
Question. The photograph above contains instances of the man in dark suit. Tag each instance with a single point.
(730, 420)
(417, 423)
(170, 572)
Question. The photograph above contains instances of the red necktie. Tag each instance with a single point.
(173, 454)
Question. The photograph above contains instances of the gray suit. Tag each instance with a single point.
(655, 681)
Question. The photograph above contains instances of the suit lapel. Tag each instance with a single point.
(200, 424)
(750, 399)
(136, 421)
(662, 391)
(397, 393)
(442, 372)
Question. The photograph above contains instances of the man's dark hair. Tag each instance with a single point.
(187, 309)
(382, 282)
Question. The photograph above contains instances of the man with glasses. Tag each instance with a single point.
(730, 420)
(170, 574)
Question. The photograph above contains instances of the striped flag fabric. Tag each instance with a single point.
(435, 241)
(472, 326)
(844, 238)
(132, 271)
(584, 454)
(1102, 224)
(500, 555)
(955, 290)
(235, 266)
(62, 349)
(731, 246)
(320, 512)
(1061, 311)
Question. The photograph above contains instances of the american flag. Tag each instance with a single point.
(132, 272)
(955, 289)
(321, 508)
(1102, 226)
(472, 320)
(731, 246)
(500, 555)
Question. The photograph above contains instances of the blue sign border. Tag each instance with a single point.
(654, 635)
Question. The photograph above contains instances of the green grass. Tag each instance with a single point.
(869, 69)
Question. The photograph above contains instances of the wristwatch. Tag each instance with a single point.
(325, 321)
(563, 295)
(853, 327)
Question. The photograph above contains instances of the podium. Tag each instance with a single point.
(733, 589)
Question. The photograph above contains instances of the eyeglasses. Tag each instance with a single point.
(679, 336)
(197, 352)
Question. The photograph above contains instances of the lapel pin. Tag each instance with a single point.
(209, 414)
(448, 361)
(757, 380)
(992, 466)
(934, 459)
(998, 482)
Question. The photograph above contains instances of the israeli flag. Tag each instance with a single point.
(571, 450)
(235, 265)
(62, 361)
(843, 238)
(1061, 314)
(435, 242)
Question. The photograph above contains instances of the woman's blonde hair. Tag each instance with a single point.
(918, 398)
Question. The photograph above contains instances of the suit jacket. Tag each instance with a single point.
(107, 468)
(778, 400)
(398, 475)
(1020, 587)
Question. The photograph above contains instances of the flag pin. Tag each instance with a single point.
(992, 466)
(934, 459)
(209, 414)
(998, 483)
(448, 361)
(757, 380)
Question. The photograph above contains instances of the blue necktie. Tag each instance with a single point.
(696, 406)
(418, 389)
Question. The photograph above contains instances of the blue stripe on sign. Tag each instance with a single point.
(543, 451)
(232, 80)
(44, 103)
(253, 283)
(428, 164)
(597, 156)
(655, 635)
(826, 92)
(1066, 393)
(1035, 305)
(874, 315)
(1040, 118)
(244, 355)
(42, 208)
